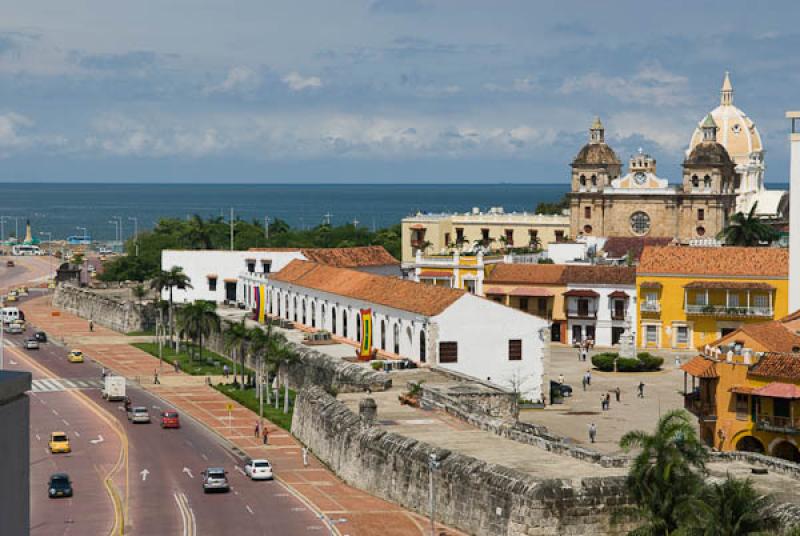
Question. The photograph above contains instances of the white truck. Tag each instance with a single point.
(114, 388)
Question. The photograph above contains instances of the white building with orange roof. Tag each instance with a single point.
(400, 319)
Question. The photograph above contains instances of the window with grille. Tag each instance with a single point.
(515, 350)
(652, 334)
(212, 284)
(640, 223)
(761, 300)
(682, 335)
(733, 300)
(448, 352)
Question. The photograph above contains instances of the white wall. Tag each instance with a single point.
(198, 264)
(604, 322)
(794, 223)
(482, 329)
(566, 252)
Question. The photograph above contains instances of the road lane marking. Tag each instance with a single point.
(98, 440)
(249, 509)
(188, 472)
(144, 473)
(65, 422)
(187, 514)
(204, 457)
(38, 437)
(77, 433)
(240, 470)
(54, 412)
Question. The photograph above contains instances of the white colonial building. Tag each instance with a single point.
(600, 303)
(432, 326)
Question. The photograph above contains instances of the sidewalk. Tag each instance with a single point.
(354, 512)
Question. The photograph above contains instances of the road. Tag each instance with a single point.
(158, 483)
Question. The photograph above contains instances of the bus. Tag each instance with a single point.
(25, 249)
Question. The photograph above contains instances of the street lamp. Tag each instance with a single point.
(49, 248)
(85, 231)
(433, 464)
(135, 221)
(115, 223)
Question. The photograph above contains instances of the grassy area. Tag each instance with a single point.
(147, 332)
(211, 363)
(249, 399)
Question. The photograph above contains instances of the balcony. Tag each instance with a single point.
(650, 307)
(705, 411)
(783, 425)
(617, 316)
(573, 312)
(725, 311)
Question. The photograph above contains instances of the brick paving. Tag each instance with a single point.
(363, 514)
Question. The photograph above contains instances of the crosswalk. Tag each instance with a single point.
(51, 385)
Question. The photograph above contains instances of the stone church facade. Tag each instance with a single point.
(603, 202)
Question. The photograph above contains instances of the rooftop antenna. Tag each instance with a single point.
(355, 222)
(327, 218)
(231, 228)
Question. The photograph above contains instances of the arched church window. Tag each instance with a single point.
(695, 181)
(701, 231)
(594, 180)
(707, 181)
(587, 229)
(640, 223)
(583, 180)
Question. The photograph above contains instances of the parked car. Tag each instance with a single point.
(9, 264)
(31, 344)
(40, 336)
(215, 479)
(258, 469)
(139, 414)
(59, 443)
(170, 419)
(75, 356)
(14, 328)
(59, 485)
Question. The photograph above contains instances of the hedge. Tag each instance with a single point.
(644, 362)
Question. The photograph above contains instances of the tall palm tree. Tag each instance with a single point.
(236, 337)
(198, 320)
(198, 233)
(747, 230)
(665, 475)
(732, 507)
(170, 279)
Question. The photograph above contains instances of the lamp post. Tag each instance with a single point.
(49, 248)
(135, 221)
(433, 464)
(85, 231)
(115, 223)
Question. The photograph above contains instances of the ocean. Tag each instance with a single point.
(62, 208)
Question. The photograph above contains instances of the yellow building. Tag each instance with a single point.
(493, 230)
(745, 389)
(459, 270)
(691, 296)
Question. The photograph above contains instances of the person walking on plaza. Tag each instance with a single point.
(617, 393)
(305, 456)
(91, 325)
(257, 430)
(592, 432)
(641, 390)
(155, 377)
(603, 402)
(175, 364)
(561, 379)
(589, 377)
(583, 382)
(225, 371)
(608, 401)
(265, 435)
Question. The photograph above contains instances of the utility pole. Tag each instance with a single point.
(266, 227)
(135, 221)
(231, 228)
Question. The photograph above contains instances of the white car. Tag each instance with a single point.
(139, 414)
(258, 469)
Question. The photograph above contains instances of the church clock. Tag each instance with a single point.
(639, 177)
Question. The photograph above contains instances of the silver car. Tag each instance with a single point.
(31, 344)
(215, 479)
(139, 414)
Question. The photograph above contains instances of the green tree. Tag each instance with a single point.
(236, 337)
(139, 292)
(544, 207)
(747, 230)
(664, 477)
(170, 279)
(198, 321)
(198, 233)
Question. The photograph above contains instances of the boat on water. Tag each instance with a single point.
(79, 240)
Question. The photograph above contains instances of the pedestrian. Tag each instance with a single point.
(155, 377)
(91, 325)
(265, 435)
(225, 371)
(103, 373)
(677, 362)
(617, 393)
(608, 401)
(561, 379)
(257, 430)
(305, 456)
(583, 382)
(588, 376)
(584, 353)
(592, 432)
(641, 390)
(602, 402)
(175, 364)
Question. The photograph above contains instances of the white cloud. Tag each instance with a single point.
(240, 79)
(527, 84)
(651, 84)
(670, 132)
(299, 83)
(10, 126)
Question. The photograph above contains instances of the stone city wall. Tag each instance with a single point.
(471, 495)
(120, 315)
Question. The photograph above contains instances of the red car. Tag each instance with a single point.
(170, 419)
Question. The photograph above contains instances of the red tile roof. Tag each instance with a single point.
(785, 366)
(393, 292)
(616, 247)
(604, 275)
(772, 335)
(521, 274)
(778, 390)
(700, 367)
(351, 257)
(582, 293)
(715, 261)
(729, 285)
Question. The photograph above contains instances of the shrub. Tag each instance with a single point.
(643, 362)
(376, 365)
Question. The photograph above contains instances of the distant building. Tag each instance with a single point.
(690, 296)
(490, 231)
(214, 274)
(794, 222)
(432, 326)
(628, 249)
(15, 449)
(745, 389)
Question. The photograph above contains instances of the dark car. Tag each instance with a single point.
(40, 336)
(59, 485)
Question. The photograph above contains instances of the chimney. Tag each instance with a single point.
(794, 212)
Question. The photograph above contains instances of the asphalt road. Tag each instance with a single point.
(159, 484)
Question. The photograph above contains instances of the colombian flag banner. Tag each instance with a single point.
(262, 304)
(366, 335)
(256, 303)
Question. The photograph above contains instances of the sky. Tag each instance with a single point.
(378, 91)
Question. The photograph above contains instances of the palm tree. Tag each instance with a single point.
(747, 230)
(732, 507)
(198, 320)
(236, 336)
(198, 233)
(665, 476)
(139, 292)
(169, 279)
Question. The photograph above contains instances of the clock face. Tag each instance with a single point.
(640, 177)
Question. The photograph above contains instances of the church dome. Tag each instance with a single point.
(708, 153)
(596, 154)
(736, 132)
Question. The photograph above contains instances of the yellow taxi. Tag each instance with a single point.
(51, 284)
(75, 356)
(22, 291)
(59, 442)
(12, 297)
